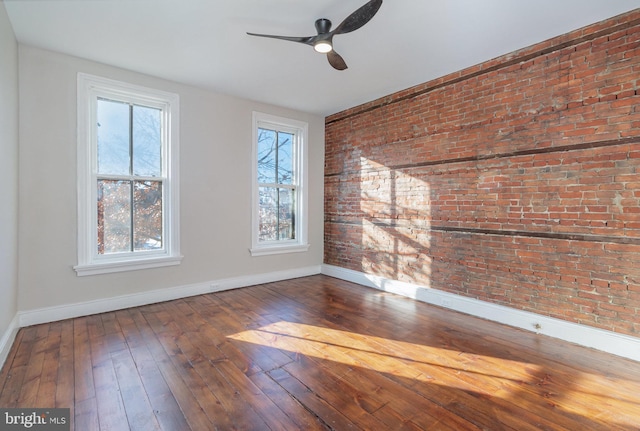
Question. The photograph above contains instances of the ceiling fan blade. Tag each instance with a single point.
(307, 40)
(336, 60)
(359, 18)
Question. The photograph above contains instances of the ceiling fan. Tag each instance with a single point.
(323, 41)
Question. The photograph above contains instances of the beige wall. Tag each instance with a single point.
(215, 158)
(8, 172)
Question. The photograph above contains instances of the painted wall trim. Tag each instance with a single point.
(7, 340)
(68, 311)
(606, 341)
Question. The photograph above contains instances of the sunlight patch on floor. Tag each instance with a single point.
(430, 364)
(495, 377)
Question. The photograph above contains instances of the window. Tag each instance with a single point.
(279, 180)
(127, 177)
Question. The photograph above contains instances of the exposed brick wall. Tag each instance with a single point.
(516, 181)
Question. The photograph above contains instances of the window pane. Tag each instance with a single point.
(267, 140)
(286, 228)
(113, 137)
(268, 207)
(114, 216)
(147, 141)
(285, 158)
(147, 215)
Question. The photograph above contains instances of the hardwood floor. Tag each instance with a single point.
(313, 353)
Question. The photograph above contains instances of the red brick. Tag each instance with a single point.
(581, 93)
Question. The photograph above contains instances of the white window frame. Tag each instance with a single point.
(300, 130)
(90, 262)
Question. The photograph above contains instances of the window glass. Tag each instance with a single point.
(113, 137)
(285, 158)
(275, 167)
(147, 141)
(286, 210)
(147, 215)
(128, 204)
(267, 156)
(114, 216)
(279, 199)
(268, 198)
(129, 211)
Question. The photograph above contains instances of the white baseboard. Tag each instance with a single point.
(610, 342)
(606, 341)
(7, 339)
(68, 311)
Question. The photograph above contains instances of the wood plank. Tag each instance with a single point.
(46, 395)
(238, 413)
(233, 398)
(314, 353)
(352, 403)
(398, 403)
(111, 412)
(5, 370)
(85, 410)
(331, 417)
(273, 417)
(83, 372)
(14, 376)
(114, 339)
(134, 397)
(108, 396)
(303, 418)
(362, 351)
(33, 373)
(535, 411)
(163, 404)
(234, 320)
(65, 380)
(178, 379)
(86, 415)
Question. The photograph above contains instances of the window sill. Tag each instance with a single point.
(126, 265)
(278, 249)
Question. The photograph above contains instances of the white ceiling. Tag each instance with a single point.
(204, 42)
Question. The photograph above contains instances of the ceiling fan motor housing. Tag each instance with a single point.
(323, 26)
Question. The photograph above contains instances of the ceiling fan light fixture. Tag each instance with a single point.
(323, 41)
(323, 46)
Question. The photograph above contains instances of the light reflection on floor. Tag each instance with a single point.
(585, 394)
